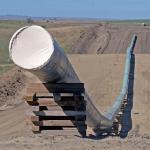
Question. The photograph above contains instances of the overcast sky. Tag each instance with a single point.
(112, 9)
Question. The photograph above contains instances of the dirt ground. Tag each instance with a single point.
(10, 85)
(103, 38)
(102, 75)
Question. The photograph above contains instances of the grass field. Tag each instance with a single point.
(5, 67)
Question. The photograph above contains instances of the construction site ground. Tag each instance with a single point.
(102, 75)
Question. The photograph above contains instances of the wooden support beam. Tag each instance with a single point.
(35, 129)
(61, 123)
(50, 102)
(56, 107)
(51, 108)
(59, 113)
(54, 88)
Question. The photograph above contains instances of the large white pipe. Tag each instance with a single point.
(33, 48)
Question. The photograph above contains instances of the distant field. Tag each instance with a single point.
(70, 31)
(5, 67)
(7, 28)
(76, 36)
(66, 37)
(146, 21)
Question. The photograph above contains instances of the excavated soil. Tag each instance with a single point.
(93, 40)
(102, 75)
(11, 83)
(112, 38)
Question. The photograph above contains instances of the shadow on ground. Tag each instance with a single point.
(126, 125)
(127, 119)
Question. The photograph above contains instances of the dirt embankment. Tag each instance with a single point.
(11, 84)
(109, 38)
(93, 40)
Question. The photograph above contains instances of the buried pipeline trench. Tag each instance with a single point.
(33, 49)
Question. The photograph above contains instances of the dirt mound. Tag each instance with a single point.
(11, 83)
(94, 40)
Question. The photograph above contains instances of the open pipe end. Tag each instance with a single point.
(31, 47)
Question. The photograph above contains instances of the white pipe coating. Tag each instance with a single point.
(33, 48)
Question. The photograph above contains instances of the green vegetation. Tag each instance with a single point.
(5, 68)
(7, 28)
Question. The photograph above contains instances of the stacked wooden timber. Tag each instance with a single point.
(57, 107)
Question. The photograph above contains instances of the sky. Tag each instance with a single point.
(102, 9)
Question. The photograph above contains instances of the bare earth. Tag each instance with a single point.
(102, 75)
(102, 38)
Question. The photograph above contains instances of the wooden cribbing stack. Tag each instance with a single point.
(57, 107)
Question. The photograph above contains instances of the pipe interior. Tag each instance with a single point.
(31, 47)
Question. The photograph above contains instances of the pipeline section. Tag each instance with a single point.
(33, 49)
(114, 110)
